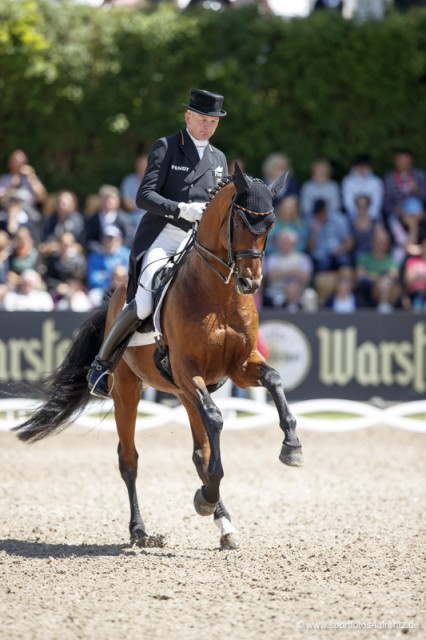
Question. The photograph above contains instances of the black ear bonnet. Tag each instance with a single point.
(255, 206)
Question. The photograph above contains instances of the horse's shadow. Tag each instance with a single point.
(46, 550)
(31, 549)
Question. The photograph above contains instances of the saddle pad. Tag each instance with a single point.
(141, 339)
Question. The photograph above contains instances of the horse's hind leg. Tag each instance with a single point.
(126, 394)
(258, 373)
(201, 458)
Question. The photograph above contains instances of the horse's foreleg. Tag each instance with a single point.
(126, 395)
(194, 392)
(228, 533)
(212, 420)
(201, 458)
(258, 373)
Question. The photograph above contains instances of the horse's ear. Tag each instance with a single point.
(278, 183)
(240, 180)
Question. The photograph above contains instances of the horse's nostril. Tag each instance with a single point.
(246, 285)
(243, 282)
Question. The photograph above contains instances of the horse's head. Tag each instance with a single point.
(251, 219)
(242, 208)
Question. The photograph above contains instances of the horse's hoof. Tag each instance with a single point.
(291, 456)
(229, 541)
(202, 507)
(139, 538)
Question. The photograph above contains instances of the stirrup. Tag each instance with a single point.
(98, 394)
(93, 388)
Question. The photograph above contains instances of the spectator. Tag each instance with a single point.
(310, 300)
(101, 264)
(330, 240)
(288, 217)
(24, 254)
(22, 176)
(119, 277)
(319, 187)
(71, 295)
(285, 266)
(108, 214)
(403, 182)
(362, 226)
(30, 294)
(129, 188)
(293, 292)
(65, 217)
(5, 249)
(405, 227)
(414, 279)
(67, 262)
(344, 299)
(378, 273)
(14, 214)
(362, 181)
(273, 166)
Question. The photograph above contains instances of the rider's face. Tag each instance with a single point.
(199, 126)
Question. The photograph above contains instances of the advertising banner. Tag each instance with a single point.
(321, 355)
(353, 356)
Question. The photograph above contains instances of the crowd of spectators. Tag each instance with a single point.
(357, 244)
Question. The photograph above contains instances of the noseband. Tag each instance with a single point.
(233, 256)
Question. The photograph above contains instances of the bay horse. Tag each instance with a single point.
(209, 323)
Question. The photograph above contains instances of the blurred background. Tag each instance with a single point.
(332, 90)
(85, 88)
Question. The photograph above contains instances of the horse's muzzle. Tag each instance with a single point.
(247, 285)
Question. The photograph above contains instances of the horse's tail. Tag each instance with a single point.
(65, 393)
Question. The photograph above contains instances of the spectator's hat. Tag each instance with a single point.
(206, 103)
(411, 206)
(111, 231)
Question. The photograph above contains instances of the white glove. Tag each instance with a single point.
(192, 211)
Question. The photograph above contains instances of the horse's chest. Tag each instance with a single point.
(233, 342)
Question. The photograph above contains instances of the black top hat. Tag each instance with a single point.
(205, 102)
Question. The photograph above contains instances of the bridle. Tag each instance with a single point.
(233, 256)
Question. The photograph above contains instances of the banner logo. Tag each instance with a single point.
(289, 352)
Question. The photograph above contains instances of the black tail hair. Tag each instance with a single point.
(65, 393)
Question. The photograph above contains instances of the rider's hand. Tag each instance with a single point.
(192, 211)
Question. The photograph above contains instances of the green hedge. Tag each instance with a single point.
(82, 89)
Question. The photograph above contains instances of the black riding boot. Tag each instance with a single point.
(112, 349)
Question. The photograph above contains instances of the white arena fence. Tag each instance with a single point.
(243, 413)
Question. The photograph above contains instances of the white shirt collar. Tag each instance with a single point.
(200, 145)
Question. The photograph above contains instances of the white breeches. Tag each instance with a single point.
(170, 241)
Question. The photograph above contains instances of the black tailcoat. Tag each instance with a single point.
(174, 174)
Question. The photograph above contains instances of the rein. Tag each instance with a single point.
(233, 256)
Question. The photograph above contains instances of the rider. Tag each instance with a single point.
(182, 170)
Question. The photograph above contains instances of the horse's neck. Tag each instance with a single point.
(214, 221)
(211, 235)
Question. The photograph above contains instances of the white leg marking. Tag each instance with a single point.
(225, 526)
